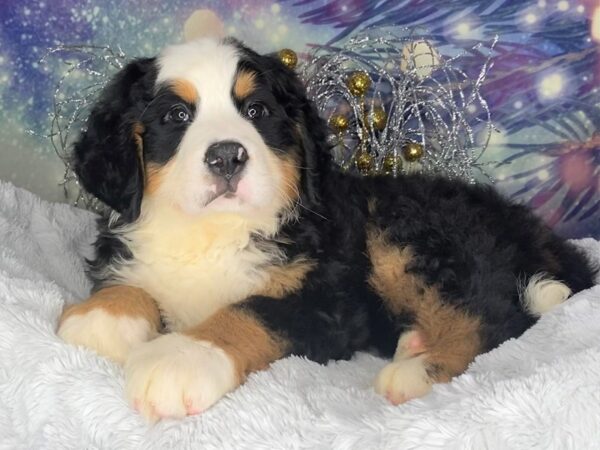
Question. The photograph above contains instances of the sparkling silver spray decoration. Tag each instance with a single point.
(86, 69)
(416, 110)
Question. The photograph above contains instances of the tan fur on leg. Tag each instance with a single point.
(112, 321)
(443, 340)
(185, 373)
(243, 338)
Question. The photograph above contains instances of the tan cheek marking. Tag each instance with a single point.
(185, 90)
(290, 179)
(450, 336)
(243, 338)
(245, 84)
(119, 301)
(155, 176)
(286, 279)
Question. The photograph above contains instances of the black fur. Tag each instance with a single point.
(162, 136)
(469, 241)
(105, 158)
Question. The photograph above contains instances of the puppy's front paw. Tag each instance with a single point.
(110, 335)
(403, 380)
(175, 376)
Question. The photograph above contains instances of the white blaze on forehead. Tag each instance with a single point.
(210, 65)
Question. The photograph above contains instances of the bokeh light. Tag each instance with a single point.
(551, 86)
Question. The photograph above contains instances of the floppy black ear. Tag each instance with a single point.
(317, 153)
(312, 128)
(108, 156)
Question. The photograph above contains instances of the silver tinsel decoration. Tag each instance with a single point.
(387, 92)
(86, 71)
(395, 104)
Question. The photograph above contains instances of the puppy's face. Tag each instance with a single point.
(207, 126)
(215, 137)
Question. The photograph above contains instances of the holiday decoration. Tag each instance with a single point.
(378, 118)
(412, 151)
(364, 162)
(396, 104)
(392, 164)
(338, 122)
(72, 106)
(288, 58)
(358, 83)
(203, 23)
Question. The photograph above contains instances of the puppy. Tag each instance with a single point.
(232, 241)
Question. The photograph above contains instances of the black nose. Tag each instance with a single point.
(226, 158)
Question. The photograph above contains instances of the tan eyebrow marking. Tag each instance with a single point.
(186, 90)
(245, 83)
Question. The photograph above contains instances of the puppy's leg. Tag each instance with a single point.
(112, 321)
(438, 348)
(443, 339)
(185, 373)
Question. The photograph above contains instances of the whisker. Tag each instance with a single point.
(162, 94)
(311, 211)
(289, 162)
(298, 201)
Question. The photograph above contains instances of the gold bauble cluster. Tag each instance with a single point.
(358, 83)
(392, 162)
(288, 57)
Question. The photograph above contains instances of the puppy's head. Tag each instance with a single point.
(207, 126)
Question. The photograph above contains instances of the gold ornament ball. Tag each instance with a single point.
(412, 151)
(392, 164)
(288, 58)
(364, 162)
(358, 82)
(378, 118)
(339, 123)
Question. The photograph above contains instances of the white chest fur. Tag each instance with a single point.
(193, 268)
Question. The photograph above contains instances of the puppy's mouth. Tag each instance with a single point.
(223, 187)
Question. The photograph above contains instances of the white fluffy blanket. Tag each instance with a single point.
(539, 391)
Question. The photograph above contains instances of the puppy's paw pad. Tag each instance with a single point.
(109, 335)
(403, 380)
(175, 376)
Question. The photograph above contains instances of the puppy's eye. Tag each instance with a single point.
(256, 110)
(178, 114)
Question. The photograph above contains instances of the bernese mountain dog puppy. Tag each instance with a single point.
(231, 240)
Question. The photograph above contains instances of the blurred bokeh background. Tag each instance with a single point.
(542, 90)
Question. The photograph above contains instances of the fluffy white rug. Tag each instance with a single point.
(539, 391)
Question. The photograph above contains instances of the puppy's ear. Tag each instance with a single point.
(108, 158)
(312, 129)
